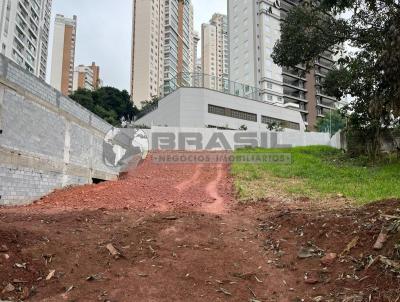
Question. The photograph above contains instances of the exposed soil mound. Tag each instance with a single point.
(175, 233)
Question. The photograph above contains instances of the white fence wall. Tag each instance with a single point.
(288, 137)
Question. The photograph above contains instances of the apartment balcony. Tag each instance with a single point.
(297, 107)
(293, 97)
(23, 11)
(323, 112)
(294, 73)
(25, 3)
(328, 56)
(17, 58)
(294, 83)
(19, 46)
(33, 26)
(286, 6)
(20, 37)
(323, 96)
(322, 71)
(325, 63)
(295, 103)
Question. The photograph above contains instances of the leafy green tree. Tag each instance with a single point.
(109, 103)
(332, 122)
(275, 126)
(370, 74)
(146, 105)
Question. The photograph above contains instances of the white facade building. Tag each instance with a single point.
(162, 46)
(148, 41)
(215, 52)
(205, 108)
(254, 29)
(24, 33)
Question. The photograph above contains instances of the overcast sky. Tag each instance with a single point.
(104, 33)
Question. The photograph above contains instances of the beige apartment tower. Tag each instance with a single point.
(87, 77)
(147, 50)
(63, 55)
(162, 47)
(215, 52)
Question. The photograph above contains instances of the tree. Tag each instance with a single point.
(109, 103)
(147, 105)
(332, 122)
(370, 74)
(274, 126)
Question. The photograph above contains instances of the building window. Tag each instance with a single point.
(282, 123)
(232, 113)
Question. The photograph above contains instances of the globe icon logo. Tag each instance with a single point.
(125, 148)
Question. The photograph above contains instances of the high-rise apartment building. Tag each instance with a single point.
(63, 54)
(196, 40)
(87, 77)
(162, 46)
(178, 41)
(148, 41)
(215, 52)
(198, 74)
(24, 33)
(254, 28)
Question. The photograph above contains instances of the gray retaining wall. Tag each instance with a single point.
(47, 141)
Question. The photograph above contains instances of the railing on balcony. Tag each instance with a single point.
(220, 84)
(298, 73)
(330, 104)
(297, 83)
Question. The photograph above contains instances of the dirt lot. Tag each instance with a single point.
(181, 236)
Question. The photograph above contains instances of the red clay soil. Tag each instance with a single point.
(181, 236)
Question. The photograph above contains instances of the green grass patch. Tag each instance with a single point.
(317, 172)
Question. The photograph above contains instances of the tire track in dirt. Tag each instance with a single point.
(149, 187)
(218, 205)
(193, 181)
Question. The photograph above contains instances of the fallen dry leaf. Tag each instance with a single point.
(51, 274)
(350, 245)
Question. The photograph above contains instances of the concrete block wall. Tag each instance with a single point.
(47, 141)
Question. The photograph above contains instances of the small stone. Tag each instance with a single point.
(311, 280)
(328, 259)
(305, 253)
(3, 248)
(8, 289)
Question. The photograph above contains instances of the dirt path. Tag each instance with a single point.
(182, 237)
(151, 187)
